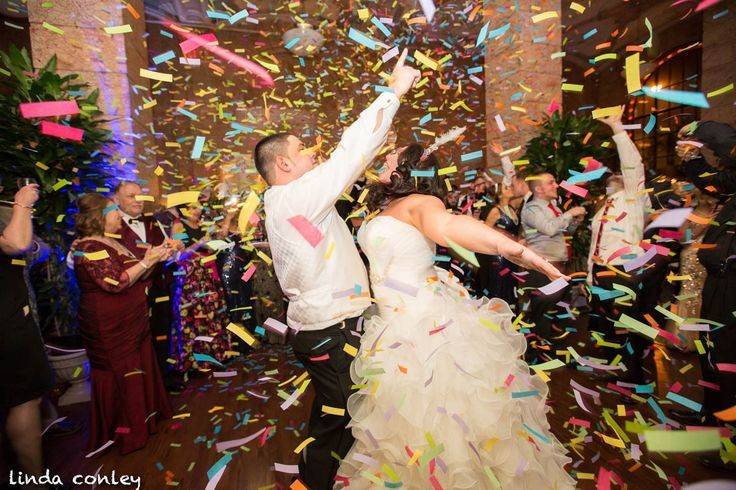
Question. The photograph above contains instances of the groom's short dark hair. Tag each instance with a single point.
(265, 152)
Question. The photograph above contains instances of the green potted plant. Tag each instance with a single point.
(564, 143)
(64, 170)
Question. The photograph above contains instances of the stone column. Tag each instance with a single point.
(718, 65)
(109, 62)
(522, 78)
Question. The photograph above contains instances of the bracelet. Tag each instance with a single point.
(22, 205)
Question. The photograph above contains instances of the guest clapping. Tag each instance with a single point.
(113, 317)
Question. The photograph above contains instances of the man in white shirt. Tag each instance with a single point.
(318, 266)
(544, 226)
(617, 231)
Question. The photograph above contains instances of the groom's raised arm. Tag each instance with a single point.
(317, 191)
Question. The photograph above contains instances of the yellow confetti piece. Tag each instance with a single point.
(144, 198)
(159, 171)
(633, 78)
(100, 255)
(19, 262)
(249, 207)
(52, 28)
(720, 91)
(333, 411)
(161, 299)
(699, 346)
(119, 29)
(329, 251)
(665, 441)
(181, 416)
(179, 198)
(111, 281)
(41, 166)
(303, 444)
(447, 170)
(425, 60)
(154, 75)
(571, 87)
(552, 14)
(577, 7)
(621, 410)
(351, 351)
(607, 111)
(264, 257)
(242, 333)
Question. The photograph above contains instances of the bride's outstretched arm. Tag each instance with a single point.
(429, 215)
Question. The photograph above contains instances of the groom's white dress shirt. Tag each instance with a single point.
(327, 283)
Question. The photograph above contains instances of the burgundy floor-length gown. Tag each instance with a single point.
(128, 396)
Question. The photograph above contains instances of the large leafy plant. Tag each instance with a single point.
(64, 169)
(564, 144)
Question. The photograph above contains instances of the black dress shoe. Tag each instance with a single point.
(64, 428)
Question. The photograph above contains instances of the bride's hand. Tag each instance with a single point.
(530, 260)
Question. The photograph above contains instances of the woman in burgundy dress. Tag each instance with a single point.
(128, 396)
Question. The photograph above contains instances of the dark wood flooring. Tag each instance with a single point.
(213, 410)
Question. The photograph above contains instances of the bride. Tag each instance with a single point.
(444, 399)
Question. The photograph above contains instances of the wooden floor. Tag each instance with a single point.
(213, 410)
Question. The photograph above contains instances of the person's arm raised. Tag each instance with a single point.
(17, 236)
(428, 214)
(316, 192)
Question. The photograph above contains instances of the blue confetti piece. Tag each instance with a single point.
(110, 208)
(524, 394)
(160, 58)
(590, 33)
(425, 119)
(471, 156)
(213, 14)
(219, 465)
(361, 38)
(187, 113)
(197, 148)
(482, 35)
(239, 16)
(206, 358)
(686, 402)
(537, 434)
(587, 176)
(422, 173)
(695, 99)
(496, 33)
(475, 69)
(381, 26)
(650, 124)
(167, 34)
(291, 44)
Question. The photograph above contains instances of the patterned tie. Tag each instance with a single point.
(554, 209)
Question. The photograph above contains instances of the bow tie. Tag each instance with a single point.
(133, 220)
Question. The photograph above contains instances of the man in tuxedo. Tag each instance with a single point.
(137, 234)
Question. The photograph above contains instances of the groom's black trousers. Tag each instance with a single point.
(332, 387)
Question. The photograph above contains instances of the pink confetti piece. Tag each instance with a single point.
(224, 374)
(574, 189)
(49, 128)
(212, 483)
(101, 448)
(225, 445)
(726, 367)
(306, 229)
(705, 4)
(122, 430)
(275, 326)
(253, 68)
(553, 106)
(291, 400)
(402, 287)
(321, 358)
(194, 42)
(249, 273)
(291, 469)
(580, 422)
(49, 109)
(553, 286)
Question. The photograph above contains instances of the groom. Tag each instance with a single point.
(318, 266)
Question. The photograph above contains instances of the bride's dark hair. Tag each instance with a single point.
(403, 183)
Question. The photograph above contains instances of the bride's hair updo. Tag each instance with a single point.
(403, 183)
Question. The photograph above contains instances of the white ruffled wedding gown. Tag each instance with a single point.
(445, 398)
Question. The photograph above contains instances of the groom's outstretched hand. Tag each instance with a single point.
(403, 77)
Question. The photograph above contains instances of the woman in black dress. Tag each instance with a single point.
(25, 374)
(494, 278)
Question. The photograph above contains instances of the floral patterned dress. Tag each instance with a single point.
(200, 310)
